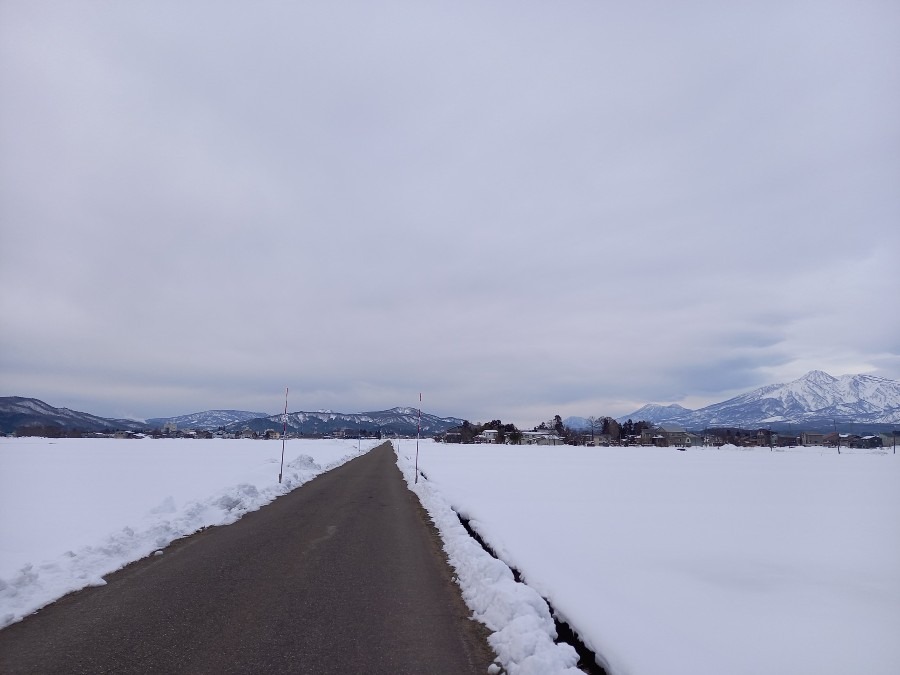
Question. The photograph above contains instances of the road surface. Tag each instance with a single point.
(343, 575)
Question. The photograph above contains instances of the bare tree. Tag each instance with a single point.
(594, 422)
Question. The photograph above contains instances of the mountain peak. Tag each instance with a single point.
(818, 377)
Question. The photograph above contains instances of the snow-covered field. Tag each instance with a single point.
(665, 562)
(72, 510)
(702, 562)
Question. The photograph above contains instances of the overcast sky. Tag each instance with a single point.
(518, 209)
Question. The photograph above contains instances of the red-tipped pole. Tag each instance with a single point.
(283, 434)
(418, 431)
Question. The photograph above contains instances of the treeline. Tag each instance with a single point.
(506, 433)
(615, 431)
(606, 429)
(601, 429)
(48, 431)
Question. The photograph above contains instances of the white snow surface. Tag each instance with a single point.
(523, 631)
(706, 561)
(73, 510)
(709, 561)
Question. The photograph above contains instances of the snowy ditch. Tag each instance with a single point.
(523, 631)
(588, 661)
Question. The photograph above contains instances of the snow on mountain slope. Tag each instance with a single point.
(817, 397)
(399, 420)
(577, 423)
(17, 411)
(208, 420)
(653, 412)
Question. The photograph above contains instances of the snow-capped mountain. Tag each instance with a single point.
(653, 412)
(17, 412)
(401, 421)
(816, 400)
(577, 423)
(816, 396)
(207, 420)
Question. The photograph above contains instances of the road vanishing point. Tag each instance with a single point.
(345, 574)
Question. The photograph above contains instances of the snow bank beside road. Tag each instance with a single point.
(523, 630)
(73, 510)
(703, 562)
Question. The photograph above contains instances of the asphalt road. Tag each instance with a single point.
(343, 575)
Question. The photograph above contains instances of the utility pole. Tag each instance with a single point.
(837, 436)
(283, 434)
(418, 431)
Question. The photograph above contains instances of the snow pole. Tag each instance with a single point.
(283, 434)
(418, 431)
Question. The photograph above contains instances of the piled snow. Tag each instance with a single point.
(703, 562)
(73, 510)
(523, 630)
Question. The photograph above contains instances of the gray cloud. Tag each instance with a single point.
(519, 209)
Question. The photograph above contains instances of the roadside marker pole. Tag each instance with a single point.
(283, 434)
(418, 431)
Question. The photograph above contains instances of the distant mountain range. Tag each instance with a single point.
(651, 412)
(816, 401)
(17, 412)
(403, 421)
(205, 421)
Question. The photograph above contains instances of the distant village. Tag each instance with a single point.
(171, 430)
(605, 433)
(608, 432)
